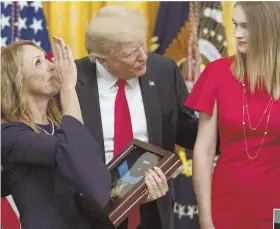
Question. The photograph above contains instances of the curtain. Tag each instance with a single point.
(227, 12)
(69, 20)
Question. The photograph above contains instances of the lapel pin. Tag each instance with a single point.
(152, 83)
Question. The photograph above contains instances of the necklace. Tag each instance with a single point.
(248, 115)
(46, 132)
(245, 106)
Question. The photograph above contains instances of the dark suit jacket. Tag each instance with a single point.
(168, 121)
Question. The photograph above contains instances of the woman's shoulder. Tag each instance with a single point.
(223, 63)
(13, 125)
(218, 70)
(11, 131)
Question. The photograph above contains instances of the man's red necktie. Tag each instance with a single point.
(123, 135)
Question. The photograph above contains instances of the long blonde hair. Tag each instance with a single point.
(13, 96)
(261, 63)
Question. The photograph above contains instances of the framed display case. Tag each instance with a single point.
(128, 171)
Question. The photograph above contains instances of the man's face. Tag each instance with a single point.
(128, 60)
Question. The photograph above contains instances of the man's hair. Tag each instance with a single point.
(113, 25)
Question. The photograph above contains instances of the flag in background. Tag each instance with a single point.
(171, 30)
(174, 29)
(191, 33)
(9, 214)
(211, 34)
(21, 21)
(175, 35)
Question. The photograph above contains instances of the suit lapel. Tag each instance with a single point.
(87, 91)
(152, 106)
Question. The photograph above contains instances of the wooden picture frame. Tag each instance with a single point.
(127, 171)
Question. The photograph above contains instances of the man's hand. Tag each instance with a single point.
(178, 172)
(156, 184)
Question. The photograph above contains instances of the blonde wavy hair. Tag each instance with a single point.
(261, 63)
(13, 95)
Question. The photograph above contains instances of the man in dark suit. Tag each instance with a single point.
(154, 93)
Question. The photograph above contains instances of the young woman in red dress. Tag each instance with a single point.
(239, 99)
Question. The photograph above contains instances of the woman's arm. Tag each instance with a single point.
(67, 76)
(204, 153)
(73, 151)
(21, 145)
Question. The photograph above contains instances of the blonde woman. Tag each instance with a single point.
(50, 157)
(240, 96)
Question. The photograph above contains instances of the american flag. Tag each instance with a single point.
(24, 21)
(211, 34)
(21, 21)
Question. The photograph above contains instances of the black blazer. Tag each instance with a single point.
(168, 120)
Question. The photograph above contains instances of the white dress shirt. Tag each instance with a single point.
(107, 90)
